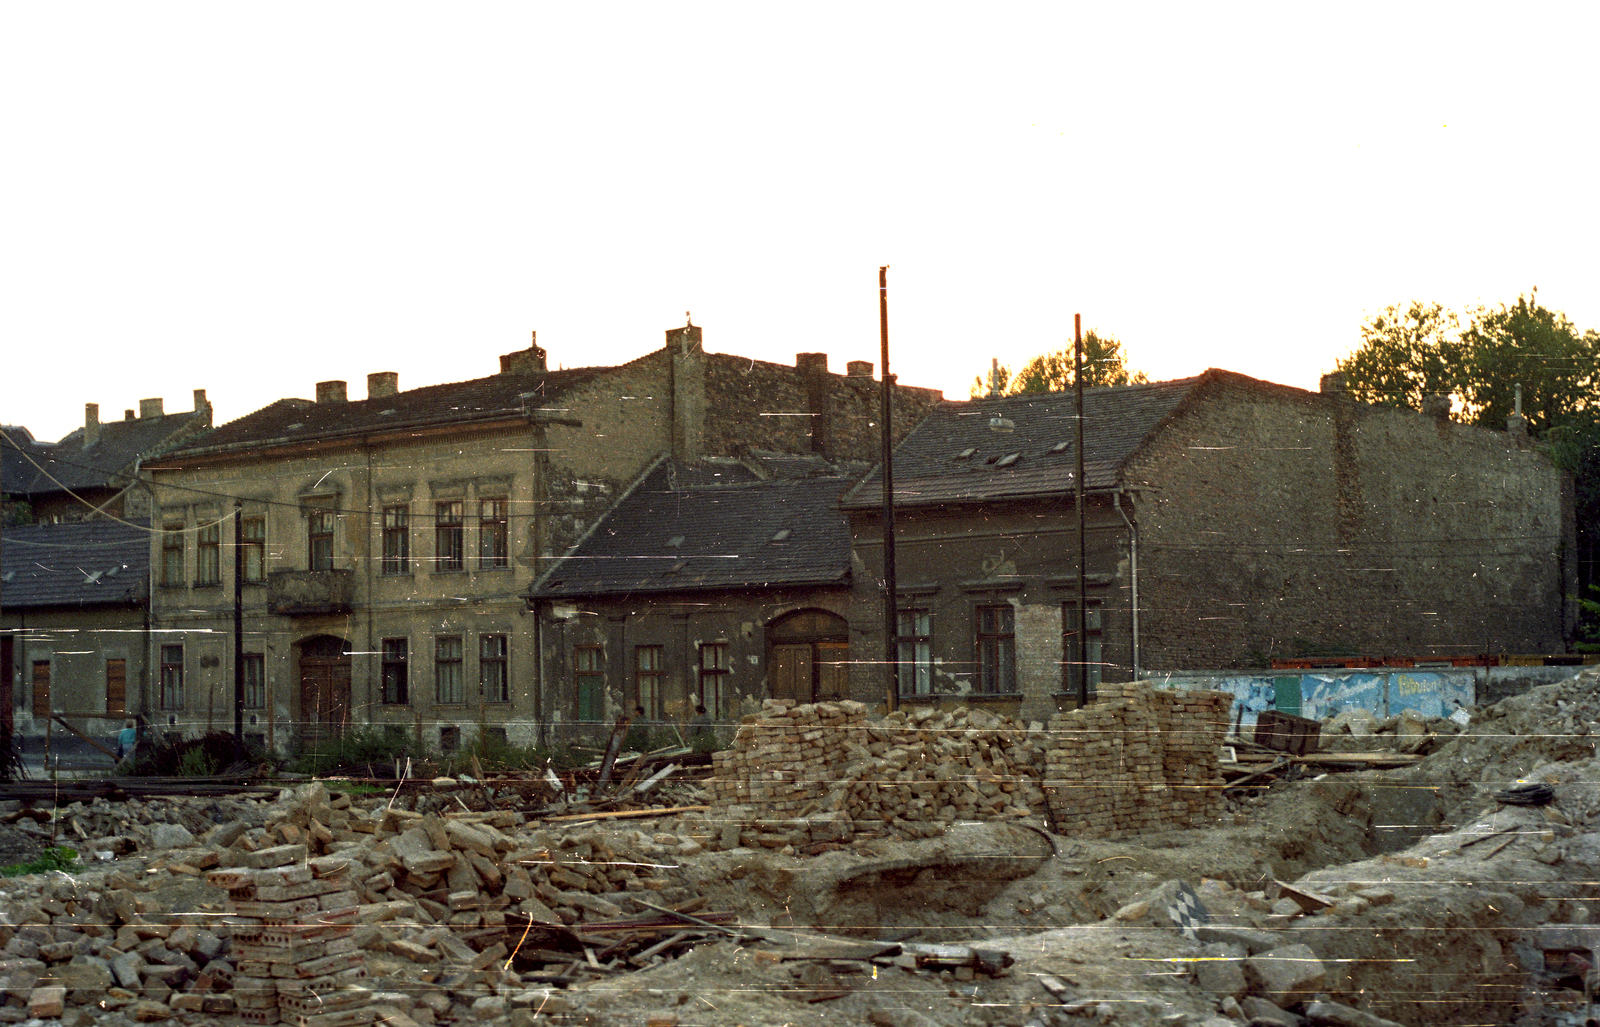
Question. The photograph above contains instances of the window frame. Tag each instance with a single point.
(589, 682)
(494, 668)
(1094, 632)
(255, 681)
(394, 676)
(448, 688)
(321, 526)
(117, 699)
(648, 672)
(396, 539)
(253, 539)
(995, 649)
(208, 555)
(714, 677)
(172, 555)
(449, 535)
(494, 537)
(917, 667)
(170, 696)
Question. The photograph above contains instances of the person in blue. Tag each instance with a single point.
(127, 738)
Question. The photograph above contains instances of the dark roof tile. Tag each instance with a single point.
(82, 563)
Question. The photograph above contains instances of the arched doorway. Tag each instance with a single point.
(324, 687)
(808, 656)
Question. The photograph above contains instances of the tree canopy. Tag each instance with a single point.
(1104, 363)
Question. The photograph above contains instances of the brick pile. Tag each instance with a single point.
(294, 950)
(1139, 760)
(821, 775)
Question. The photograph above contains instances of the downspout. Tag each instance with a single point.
(373, 688)
(1133, 553)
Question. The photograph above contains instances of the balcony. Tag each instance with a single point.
(310, 593)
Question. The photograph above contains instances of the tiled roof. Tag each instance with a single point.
(82, 563)
(109, 462)
(20, 457)
(954, 456)
(667, 535)
(301, 420)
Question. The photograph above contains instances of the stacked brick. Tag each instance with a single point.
(294, 950)
(821, 775)
(1140, 760)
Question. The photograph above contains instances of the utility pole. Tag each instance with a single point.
(891, 625)
(1083, 547)
(238, 629)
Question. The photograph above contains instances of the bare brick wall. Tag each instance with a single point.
(758, 405)
(1282, 523)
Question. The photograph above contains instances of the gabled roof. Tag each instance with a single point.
(34, 468)
(955, 456)
(75, 564)
(291, 421)
(21, 455)
(668, 535)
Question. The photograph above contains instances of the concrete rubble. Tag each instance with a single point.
(849, 870)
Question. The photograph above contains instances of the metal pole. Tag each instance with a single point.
(891, 627)
(1083, 547)
(238, 629)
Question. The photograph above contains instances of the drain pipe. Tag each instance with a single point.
(1133, 551)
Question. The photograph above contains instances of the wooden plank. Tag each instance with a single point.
(85, 737)
(625, 814)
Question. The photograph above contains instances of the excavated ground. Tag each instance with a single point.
(1417, 898)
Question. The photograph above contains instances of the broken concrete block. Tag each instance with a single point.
(1340, 1015)
(48, 1002)
(1285, 975)
(170, 836)
(1220, 970)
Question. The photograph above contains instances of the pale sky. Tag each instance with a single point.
(251, 198)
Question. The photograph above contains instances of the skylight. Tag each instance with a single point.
(1008, 460)
(780, 535)
(1060, 447)
(965, 454)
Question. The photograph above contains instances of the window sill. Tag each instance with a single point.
(396, 574)
(208, 584)
(491, 570)
(991, 696)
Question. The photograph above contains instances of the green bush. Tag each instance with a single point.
(59, 858)
(163, 755)
(361, 752)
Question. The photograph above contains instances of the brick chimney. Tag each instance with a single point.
(331, 392)
(859, 368)
(524, 361)
(127, 415)
(813, 368)
(202, 406)
(150, 408)
(686, 358)
(91, 424)
(382, 383)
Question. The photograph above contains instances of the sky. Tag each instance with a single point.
(252, 198)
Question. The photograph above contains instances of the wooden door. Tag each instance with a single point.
(324, 698)
(791, 673)
(116, 687)
(41, 689)
(833, 670)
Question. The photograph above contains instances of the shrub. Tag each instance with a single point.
(362, 752)
(59, 858)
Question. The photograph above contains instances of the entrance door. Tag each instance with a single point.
(324, 688)
(809, 659)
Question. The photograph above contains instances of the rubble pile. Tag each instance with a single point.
(1147, 760)
(823, 775)
(1361, 730)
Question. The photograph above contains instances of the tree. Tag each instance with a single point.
(1405, 356)
(1104, 363)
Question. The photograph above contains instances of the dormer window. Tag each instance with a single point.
(966, 454)
(1008, 460)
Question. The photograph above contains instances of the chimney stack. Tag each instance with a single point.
(91, 424)
(1333, 383)
(150, 408)
(859, 368)
(127, 415)
(382, 383)
(525, 361)
(331, 392)
(811, 362)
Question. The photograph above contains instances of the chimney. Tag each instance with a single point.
(524, 361)
(150, 408)
(91, 424)
(331, 392)
(1334, 383)
(813, 368)
(202, 406)
(127, 415)
(1436, 407)
(382, 383)
(811, 362)
(1516, 424)
(859, 368)
(686, 363)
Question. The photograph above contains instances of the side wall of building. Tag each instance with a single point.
(85, 653)
(1279, 523)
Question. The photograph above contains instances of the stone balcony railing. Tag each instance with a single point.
(310, 593)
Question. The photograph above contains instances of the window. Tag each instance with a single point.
(449, 738)
(714, 669)
(447, 536)
(492, 668)
(493, 736)
(647, 680)
(447, 671)
(320, 557)
(171, 697)
(208, 554)
(396, 540)
(1073, 657)
(492, 534)
(394, 671)
(172, 554)
(255, 681)
(253, 537)
(116, 687)
(589, 677)
(916, 652)
(997, 650)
